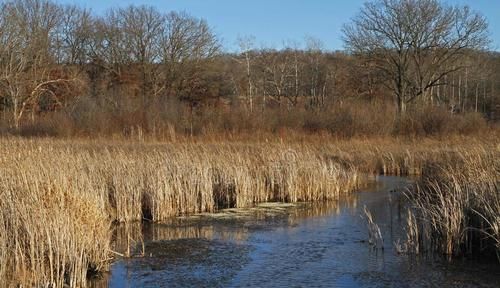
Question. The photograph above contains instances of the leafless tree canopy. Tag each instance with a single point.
(45, 47)
(415, 43)
(139, 66)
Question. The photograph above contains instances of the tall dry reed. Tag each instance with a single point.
(456, 205)
(58, 199)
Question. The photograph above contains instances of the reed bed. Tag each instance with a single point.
(456, 205)
(58, 199)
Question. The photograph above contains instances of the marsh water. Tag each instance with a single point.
(277, 245)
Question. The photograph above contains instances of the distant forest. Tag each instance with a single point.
(138, 71)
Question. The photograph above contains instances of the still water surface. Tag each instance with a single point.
(307, 245)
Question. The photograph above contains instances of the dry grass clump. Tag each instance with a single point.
(168, 180)
(438, 121)
(374, 235)
(52, 232)
(457, 204)
(392, 156)
(58, 199)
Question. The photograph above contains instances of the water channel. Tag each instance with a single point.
(283, 245)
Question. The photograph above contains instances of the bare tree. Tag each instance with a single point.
(132, 36)
(108, 47)
(278, 71)
(314, 55)
(415, 43)
(186, 43)
(246, 45)
(74, 36)
(293, 47)
(26, 60)
(143, 27)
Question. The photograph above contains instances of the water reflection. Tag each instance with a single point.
(306, 245)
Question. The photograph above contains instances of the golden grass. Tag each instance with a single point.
(456, 204)
(53, 230)
(374, 235)
(59, 198)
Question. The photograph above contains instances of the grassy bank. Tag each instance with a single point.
(59, 198)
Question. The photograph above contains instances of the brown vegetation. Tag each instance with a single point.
(456, 206)
(351, 119)
(109, 75)
(299, 124)
(59, 198)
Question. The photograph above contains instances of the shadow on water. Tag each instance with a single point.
(282, 245)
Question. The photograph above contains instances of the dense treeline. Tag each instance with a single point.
(67, 71)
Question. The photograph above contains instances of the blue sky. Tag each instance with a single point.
(274, 21)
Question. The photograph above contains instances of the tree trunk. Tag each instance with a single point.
(249, 78)
(16, 111)
(459, 91)
(466, 92)
(477, 95)
(401, 106)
